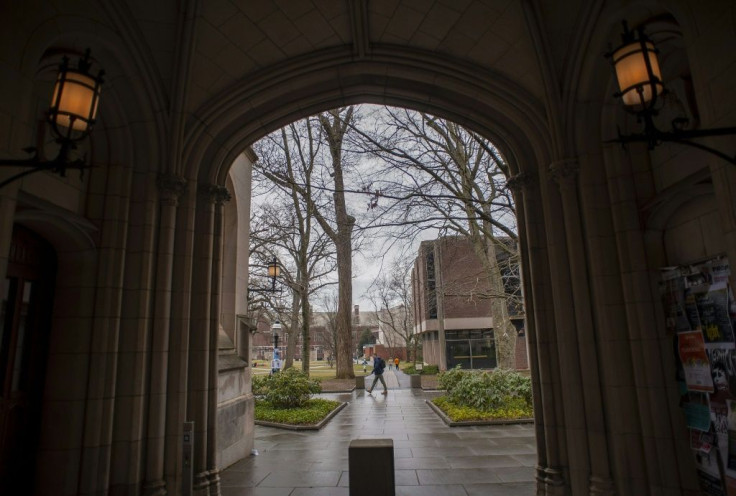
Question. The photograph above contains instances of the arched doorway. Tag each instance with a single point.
(24, 333)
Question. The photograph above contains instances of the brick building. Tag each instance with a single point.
(452, 312)
(320, 335)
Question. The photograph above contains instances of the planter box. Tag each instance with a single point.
(416, 381)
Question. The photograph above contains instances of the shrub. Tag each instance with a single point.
(288, 389)
(430, 370)
(485, 390)
(426, 370)
(448, 380)
(260, 384)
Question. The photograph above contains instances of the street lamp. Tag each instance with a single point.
(71, 115)
(276, 363)
(639, 80)
(274, 271)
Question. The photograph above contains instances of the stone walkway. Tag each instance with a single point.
(430, 459)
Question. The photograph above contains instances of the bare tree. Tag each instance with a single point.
(289, 226)
(311, 175)
(391, 295)
(436, 174)
(329, 302)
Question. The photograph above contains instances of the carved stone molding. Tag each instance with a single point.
(214, 479)
(564, 172)
(154, 488)
(520, 182)
(170, 188)
(201, 481)
(214, 194)
(603, 486)
(552, 479)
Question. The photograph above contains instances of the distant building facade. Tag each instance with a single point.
(452, 312)
(321, 341)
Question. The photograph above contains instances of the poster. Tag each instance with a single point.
(713, 311)
(695, 364)
(700, 314)
(731, 465)
(673, 300)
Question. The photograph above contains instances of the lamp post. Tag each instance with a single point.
(274, 271)
(72, 113)
(276, 362)
(639, 80)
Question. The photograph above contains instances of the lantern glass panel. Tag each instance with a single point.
(273, 270)
(631, 72)
(77, 100)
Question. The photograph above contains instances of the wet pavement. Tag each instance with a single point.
(430, 458)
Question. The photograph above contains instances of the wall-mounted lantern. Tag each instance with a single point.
(639, 80)
(74, 104)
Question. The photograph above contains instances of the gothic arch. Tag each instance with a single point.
(485, 102)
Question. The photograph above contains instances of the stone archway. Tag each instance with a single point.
(504, 113)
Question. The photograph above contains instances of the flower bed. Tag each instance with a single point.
(498, 396)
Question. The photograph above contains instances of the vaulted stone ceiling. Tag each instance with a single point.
(229, 39)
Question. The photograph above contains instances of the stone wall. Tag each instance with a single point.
(235, 404)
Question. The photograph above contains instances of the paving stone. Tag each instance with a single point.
(430, 458)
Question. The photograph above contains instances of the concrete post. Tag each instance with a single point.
(371, 465)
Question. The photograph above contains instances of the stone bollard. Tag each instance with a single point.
(359, 382)
(416, 381)
(371, 466)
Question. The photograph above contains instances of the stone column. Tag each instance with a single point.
(177, 408)
(219, 195)
(543, 362)
(7, 216)
(102, 381)
(170, 188)
(559, 322)
(656, 430)
(199, 349)
(565, 173)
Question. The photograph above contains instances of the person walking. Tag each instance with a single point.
(378, 366)
(396, 363)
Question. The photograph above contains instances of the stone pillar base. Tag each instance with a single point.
(371, 465)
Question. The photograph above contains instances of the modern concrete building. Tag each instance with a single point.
(118, 284)
(451, 292)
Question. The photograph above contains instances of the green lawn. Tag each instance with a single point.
(317, 369)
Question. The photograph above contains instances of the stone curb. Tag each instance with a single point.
(335, 391)
(315, 427)
(470, 423)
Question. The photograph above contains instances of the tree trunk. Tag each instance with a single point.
(503, 330)
(344, 319)
(293, 335)
(305, 333)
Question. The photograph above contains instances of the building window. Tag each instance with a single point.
(431, 284)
